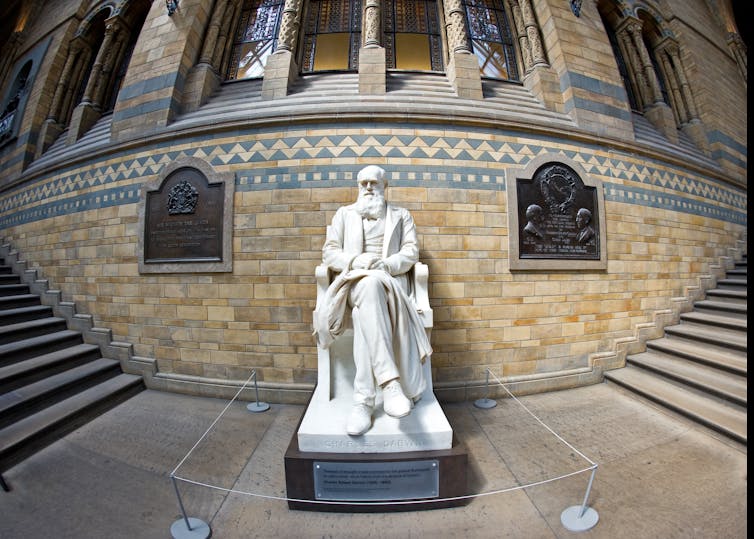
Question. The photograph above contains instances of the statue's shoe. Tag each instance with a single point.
(359, 420)
(395, 403)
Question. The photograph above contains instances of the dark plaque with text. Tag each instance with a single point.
(558, 216)
(184, 219)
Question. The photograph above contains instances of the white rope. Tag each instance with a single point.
(590, 461)
(592, 466)
(408, 502)
(253, 374)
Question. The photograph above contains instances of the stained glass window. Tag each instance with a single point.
(412, 35)
(491, 38)
(255, 39)
(332, 36)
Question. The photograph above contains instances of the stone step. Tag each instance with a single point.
(13, 289)
(735, 296)
(14, 352)
(717, 357)
(24, 314)
(725, 338)
(38, 367)
(9, 278)
(721, 384)
(24, 437)
(21, 300)
(314, 94)
(721, 417)
(4, 268)
(31, 328)
(29, 399)
(730, 308)
(647, 134)
(728, 283)
(728, 322)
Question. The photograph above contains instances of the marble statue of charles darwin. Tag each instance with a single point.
(372, 246)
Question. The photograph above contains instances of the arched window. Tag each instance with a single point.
(491, 38)
(9, 114)
(332, 36)
(255, 39)
(412, 35)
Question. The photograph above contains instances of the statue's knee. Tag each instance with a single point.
(370, 289)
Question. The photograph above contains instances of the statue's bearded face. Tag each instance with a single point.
(371, 201)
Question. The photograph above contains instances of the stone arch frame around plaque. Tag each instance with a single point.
(588, 251)
(171, 219)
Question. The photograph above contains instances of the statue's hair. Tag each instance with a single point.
(372, 172)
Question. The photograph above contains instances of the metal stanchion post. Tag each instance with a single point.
(257, 406)
(187, 528)
(578, 518)
(486, 402)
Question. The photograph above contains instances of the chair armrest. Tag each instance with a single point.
(322, 278)
(421, 293)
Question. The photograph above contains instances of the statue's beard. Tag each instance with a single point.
(371, 207)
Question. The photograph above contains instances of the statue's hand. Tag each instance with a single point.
(365, 261)
(378, 265)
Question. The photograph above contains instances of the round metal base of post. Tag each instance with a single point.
(485, 403)
(575, 521)
(199, 529)
(257, 407)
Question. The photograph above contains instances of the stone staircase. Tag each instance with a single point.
(648, 135)
(336, 95)
(51, 381)
(699, 368)
(97, 137)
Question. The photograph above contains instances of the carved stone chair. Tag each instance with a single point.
(323, 426)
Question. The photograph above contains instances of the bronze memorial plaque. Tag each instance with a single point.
(558, 215)
(184, 219)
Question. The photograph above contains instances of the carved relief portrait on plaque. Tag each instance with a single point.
(557, 215)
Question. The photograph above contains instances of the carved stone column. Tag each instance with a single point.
(213, 31)
(203, 78)
(674, 90)
(635, 71)
(372, 26)
(281, 69)
(692, 125)
(112, 60)
(738, 48)
(51, 128)
(104, 49)
(372, 61)
(86, 113)
(463, 67)
(532, 32)
(523, 39)
(289, 25)
(634, 30)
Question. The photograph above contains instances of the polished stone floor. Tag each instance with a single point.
(658, 475)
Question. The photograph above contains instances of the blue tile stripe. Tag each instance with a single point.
(653, 199)
(479, 160)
